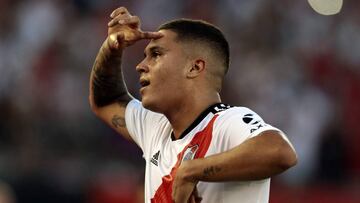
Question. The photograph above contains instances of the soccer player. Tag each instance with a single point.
(195, 147)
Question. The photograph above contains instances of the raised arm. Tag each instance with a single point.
(108, 95)
(260, 157)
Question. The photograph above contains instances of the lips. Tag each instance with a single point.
(144, 82)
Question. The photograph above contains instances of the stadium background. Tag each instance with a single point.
(299, 70)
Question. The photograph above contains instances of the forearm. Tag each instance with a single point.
(257, 158)
(106, 81)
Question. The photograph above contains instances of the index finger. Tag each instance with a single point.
(191, 199)
(151, 35)
(196, 196)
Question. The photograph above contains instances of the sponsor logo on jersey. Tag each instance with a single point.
(220, 107)
(256, 124)
(155, 158)
(190, 152)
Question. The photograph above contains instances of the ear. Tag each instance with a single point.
(196, 68)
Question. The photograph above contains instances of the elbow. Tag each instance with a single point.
(287, 158)
(94, 108)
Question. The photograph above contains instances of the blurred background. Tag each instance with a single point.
(299, 70)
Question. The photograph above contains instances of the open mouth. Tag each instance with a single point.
(144, 83)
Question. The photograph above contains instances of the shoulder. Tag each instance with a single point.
(236, 124)
(238, 113)
(143, 120)
(238, 118)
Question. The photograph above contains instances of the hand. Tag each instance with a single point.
(124, 30)
(194, 197)
(184, 188)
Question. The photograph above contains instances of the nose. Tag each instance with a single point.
(142, 68)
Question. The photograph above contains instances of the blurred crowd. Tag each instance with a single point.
(299, 70)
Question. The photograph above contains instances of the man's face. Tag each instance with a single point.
(163, 73)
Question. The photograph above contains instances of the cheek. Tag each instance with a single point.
(169, 75)
(171, 83)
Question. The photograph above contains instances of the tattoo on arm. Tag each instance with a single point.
(107, 80)
(210, 171)
(118, 121)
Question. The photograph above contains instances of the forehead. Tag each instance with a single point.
(167, 41)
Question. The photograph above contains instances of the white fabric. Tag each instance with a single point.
(152, 133)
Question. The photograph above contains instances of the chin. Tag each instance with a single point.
(148, 104)
(157, 105)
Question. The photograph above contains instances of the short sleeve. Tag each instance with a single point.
(141, 123)
(236, 125)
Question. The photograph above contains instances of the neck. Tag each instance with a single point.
(186, 112)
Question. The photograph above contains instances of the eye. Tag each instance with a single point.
(155, 54)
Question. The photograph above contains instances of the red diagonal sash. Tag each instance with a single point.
(203, 140)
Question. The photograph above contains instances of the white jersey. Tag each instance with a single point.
(218, 129)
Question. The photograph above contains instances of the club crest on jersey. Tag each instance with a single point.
(190, 152)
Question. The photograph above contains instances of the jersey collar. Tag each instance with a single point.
(215, 108)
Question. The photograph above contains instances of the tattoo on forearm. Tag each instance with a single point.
(118, 121)
(210, 171)
(107, 80)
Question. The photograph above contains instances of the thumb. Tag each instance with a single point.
(151, 35)
(115, 40)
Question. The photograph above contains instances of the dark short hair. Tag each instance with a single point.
(202, 31)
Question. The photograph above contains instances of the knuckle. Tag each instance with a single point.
(123, 10)
(121, 18)
(136, 18)
(124, 21)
